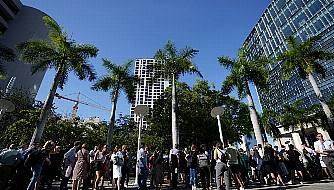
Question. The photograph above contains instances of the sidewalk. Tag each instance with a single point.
(319, 185)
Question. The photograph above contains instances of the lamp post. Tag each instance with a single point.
(216, 112)
(140, 110)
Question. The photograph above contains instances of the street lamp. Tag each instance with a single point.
(216, 112)
(140, 110)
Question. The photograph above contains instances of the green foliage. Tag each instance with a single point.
(303, 57)
(243, 70)
(196, 124)
(297, 116)
(119, 78)
(6, 55)
(270, 121)
(173, 62)
(61, 53)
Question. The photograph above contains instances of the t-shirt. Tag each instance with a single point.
(319, 147)
(234, 154)
(293, 155)
(217, 154)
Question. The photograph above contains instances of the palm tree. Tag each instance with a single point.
(305, 58)
(171, 63)
(245, 71)
(270, 121)
(119, 79)
(6, 54)
(64, 55)
(295, 116)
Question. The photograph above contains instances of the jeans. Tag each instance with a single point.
(36, 172)
(329, 161)
(205, 177)
(193, 176)
(222, 170)
(142, 178)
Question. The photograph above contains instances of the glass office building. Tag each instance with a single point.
(302, 19)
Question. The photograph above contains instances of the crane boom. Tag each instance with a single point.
(82, 102)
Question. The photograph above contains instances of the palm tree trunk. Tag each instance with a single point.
(254, 117)
(175, 130)
(43, 117)
(112, 118)
(322, 101)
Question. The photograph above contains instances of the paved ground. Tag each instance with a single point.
(321, 185)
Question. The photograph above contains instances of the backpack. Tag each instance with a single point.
(203, 161)
(224, 156)
(266, 157)
(118, 161)
(32, 157)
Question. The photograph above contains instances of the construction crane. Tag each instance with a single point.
(77, 101)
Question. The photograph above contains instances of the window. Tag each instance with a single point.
(272, 11)
(277, 22)
(293, 8)
(303, 35)
(287, 31)
(315, 7)
(300, 19)
(318, 25)
(299, 3)
(287, 13)
(280, 4)
(328, 16)
(324, 20)
(282, 18)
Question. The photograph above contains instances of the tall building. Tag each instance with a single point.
(19, 23)
(147, 91)
(302, 19)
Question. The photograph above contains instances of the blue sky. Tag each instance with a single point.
(129, 29)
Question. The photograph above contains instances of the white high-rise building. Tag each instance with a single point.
(147, 90)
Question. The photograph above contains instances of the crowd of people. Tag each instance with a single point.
(37, 167)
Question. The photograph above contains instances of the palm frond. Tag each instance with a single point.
(55, 31)
(6, 54)
(3, 74)
(85, 50)
(105, 83)
(37, 52)
(292, 42)
(63, 77)
(226, 62)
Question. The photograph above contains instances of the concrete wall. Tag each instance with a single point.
(26, 25)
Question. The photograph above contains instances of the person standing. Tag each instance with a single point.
(326, 151)
(244, 165)
(80, 171)
(69, 161)
(222, 171)
(142, 168)
(158, 169)
(118, 162)
(173, 166)
(125, 165)
(233, 164)
(203, 166)
(38, 160)
(295, 164)
(193, 166)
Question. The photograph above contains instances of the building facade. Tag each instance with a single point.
(301, 19)
(147, 90)
(19, 23)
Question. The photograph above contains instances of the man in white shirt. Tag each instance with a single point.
(326, 151)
